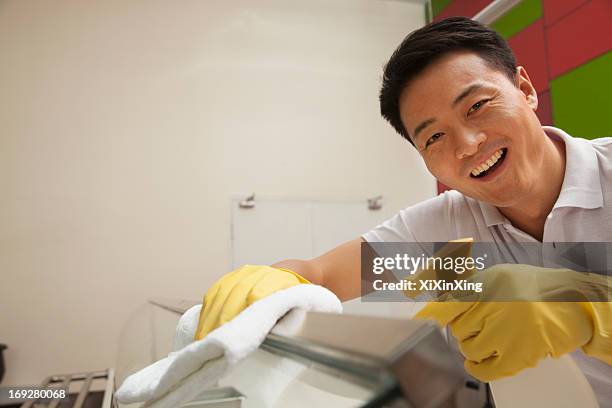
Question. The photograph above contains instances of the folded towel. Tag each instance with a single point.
(198, 365)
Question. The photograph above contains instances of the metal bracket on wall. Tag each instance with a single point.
(248, 202)
(375, 203)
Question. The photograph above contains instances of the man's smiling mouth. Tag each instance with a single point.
(488, 166)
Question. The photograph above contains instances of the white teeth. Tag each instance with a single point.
(488, 163)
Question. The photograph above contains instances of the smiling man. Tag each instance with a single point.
(476, 129)
(453, 89)
(470, 111)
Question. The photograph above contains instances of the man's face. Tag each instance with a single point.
(475, 128)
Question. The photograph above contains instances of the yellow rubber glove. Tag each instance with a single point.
(237, 290)
(457, 248)
(499, 339)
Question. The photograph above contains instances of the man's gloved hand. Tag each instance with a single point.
(237, 290)
(501, 338)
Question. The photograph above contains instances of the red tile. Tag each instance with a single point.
(466, 8)
(579, 37)
(530, 50)
(544, 111)
(555, 9)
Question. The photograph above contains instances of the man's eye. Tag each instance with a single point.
(477, 106)
(433, 139)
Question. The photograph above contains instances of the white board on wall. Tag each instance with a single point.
(274, 230)
(270, 232)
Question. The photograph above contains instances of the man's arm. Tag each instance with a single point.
(339, 270)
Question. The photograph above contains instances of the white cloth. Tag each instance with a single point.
(582, 213)
(198, 365)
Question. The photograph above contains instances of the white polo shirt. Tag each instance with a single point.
(582, 213)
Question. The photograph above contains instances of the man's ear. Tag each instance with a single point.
(526, 87)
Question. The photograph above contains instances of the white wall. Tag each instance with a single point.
(126, 126)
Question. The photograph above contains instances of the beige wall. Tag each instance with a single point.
(126, 126)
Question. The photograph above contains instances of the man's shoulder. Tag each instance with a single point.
(602, 146)
(446, 205)
(601, 141)
(603, 152)
(454, 197)
(447, 216)
(599, 144)
(600, 150)
(585, 150)
(442, 201)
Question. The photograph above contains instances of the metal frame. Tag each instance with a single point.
(494, 11)
(391, 375)
(64, 381)
(487, 15)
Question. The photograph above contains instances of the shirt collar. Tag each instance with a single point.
(492, 216)
(581, 185)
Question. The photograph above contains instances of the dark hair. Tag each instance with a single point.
(423, 46)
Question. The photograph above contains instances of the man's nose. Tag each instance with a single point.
(468, 142)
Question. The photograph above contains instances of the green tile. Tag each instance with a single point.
(581, 99)
(438, 5)
(519, 17)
